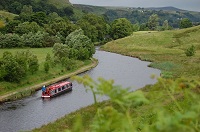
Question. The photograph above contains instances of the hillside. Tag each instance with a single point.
(48, 6)
(166, 49)
(59, 3)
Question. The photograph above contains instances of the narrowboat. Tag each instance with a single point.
(56, 89)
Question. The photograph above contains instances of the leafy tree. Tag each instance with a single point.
(33, 65)
(11, 25)
(10, 41)
(144, 27)
(121, 28)
(15, 7)
(60, 50)
(46, 67)
(93, 26)
(165, 25)
(26, 13)
(185, 23)
(153, 22)
(60, 26)
(27, 27)
(77, 40)
(39, 17)
(12, 71)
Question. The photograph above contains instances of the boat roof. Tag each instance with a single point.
(58, 85)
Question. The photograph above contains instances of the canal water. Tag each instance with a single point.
(33, 112)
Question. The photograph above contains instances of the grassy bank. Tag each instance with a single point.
(172, 104)
(32, 82)
(165, 49)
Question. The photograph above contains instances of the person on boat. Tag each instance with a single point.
(43, 88)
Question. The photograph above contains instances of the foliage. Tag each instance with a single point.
(190, 51)
(46, 67)
(81, 44)
(10, 41)
(60, 50)
(185, 23)
(153, 22)
(121, 28)
(124, 112)
(14, 68)
(93, 26)
(33, 64)
(26, 27)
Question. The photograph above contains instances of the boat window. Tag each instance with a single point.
(59, 89)
(55, 91)
(63, 87)
(52, 92)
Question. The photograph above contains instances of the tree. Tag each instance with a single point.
(11, 69)
(78, 41)
(46, 67)
(165, 25)
(33, 64)
(153, 22)
(27, 27)
(60, 50)
(10, 41)
(93, 26)
(185, 23)
(121, 28)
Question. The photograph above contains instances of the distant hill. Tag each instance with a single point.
(168, 8)
(141, 15)
(59, 3)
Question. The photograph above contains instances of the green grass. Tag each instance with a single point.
(163, 48)
(40, 52)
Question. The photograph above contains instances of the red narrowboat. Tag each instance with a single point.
(56, 89)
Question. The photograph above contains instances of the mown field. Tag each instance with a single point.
(40, 76)
(173, 103)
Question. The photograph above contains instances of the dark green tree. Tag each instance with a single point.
(77, 40)
(94, 27)
(121, 28)
(33, 65)
(185, 23)
(11, 70)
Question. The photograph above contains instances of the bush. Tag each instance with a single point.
(190, 51)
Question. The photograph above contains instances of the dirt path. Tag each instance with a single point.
(36, 87)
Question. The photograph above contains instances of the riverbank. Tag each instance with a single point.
(166, 50)
(27, 91)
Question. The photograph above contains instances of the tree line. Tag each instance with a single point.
(45, 29)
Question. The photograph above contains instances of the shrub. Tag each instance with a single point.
(190, 51)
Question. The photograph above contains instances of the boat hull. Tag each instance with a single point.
(58, 93)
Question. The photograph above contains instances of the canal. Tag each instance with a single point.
(33, 112)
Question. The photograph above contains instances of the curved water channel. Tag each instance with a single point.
(33, 112)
